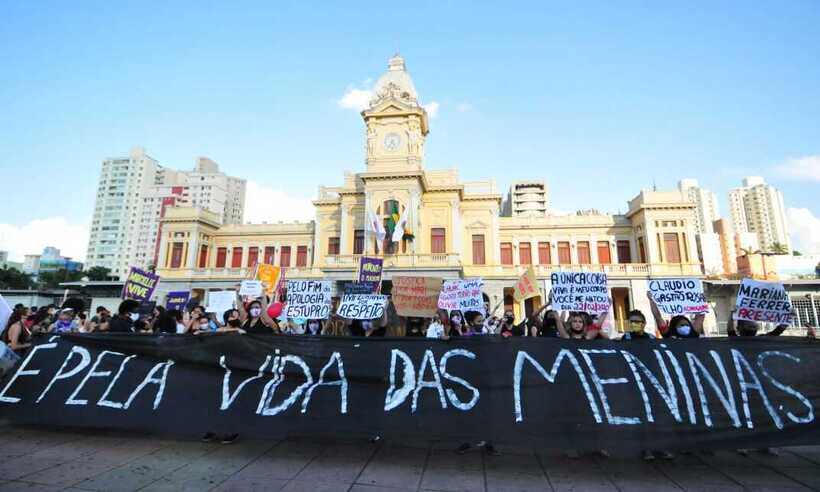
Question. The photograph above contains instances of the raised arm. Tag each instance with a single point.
(240, 306)
(559, 323)
(697, 323)
(730, 325)
(656, 313)
(264, 315)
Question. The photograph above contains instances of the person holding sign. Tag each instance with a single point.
(255, 319)
(680, 326)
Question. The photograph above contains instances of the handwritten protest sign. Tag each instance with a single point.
(220, 301)
(139, 285)
(679, 296)
(527, 286)
(580, 291)
(177, 300)
(461, 295)
(763, 301)
(250, 288)
(269, 275)
(370, 272)
(362, 306)
(5, 314)
(358, 288)
(416, 296)
(308, 299)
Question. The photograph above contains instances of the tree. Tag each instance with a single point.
(779, 248)
(11, 278)
(98, 273)
(796, 253)
(52, 280)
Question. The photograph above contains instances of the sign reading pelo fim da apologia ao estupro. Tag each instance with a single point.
(684, 394)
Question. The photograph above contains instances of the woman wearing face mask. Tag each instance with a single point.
(679, 326)
(439, 327)
(255, 321)
(457, 325)
(314, 327)
(126, 316)
(233, 324)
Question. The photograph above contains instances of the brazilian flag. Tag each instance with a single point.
(392, 218)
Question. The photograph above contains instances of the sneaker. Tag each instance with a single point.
(208, 437)
(229, 438)
(666, 455)
(490, 449)
(572, 454)
(463, 448)
(648, 456)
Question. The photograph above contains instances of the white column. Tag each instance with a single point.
(193, 246)
(345, 224)
(456, 223)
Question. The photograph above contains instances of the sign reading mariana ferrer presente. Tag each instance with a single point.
(755, 392)
(763, 301)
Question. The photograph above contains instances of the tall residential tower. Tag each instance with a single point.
(758, 207)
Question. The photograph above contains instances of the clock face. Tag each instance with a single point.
(392, 142)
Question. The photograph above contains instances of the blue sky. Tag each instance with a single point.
(598, 99)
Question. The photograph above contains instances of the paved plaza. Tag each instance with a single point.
(50, 460)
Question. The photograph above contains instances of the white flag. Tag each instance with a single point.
(375, 227)
(398, 232)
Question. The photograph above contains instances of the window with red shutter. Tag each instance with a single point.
(221, 256)
(358, 241)
(203, 256)
(301, 256)
(438, 240)
(525, 253)
(176, 255)
(333, 245)
(284, 257)
(544, 254)
(253, 256)
(478, 249)
(506, 254)
(236, 259)
(624, 252)
(270, 253)
(583, 252)
(564, 257)
(604, 256)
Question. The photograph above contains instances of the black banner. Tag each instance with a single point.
(682, 394)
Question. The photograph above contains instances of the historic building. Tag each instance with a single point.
(454, 229)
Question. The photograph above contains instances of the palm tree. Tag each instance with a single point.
(779, 248)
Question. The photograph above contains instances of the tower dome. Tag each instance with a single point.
(395, 83)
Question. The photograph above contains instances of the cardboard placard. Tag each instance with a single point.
(139, 285)
(177, 300)
(362, 306)
(270, 276)
(679, 296)
(370, 271)
(220, 301)
(250, 288)
(580, 291)
(462, 295)
(308, 299)
(527, 286)
(763, 302)
(416, 296)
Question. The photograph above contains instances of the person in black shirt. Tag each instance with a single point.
(127, 315)
(679, 326)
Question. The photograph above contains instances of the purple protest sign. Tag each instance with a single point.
(177, 300)
(139, 285)
(370, 271)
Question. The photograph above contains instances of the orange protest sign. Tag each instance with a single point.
(269, 275)
(527, 286)
(416, 296)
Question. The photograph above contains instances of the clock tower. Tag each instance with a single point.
(396, 123)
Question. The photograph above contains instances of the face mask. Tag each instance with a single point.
(204, 326)
(635, 326)
(134, 316)
(255, 312)
(234, 323)
(684, 330)
(456, 319)
(367, 326)
(314, 327)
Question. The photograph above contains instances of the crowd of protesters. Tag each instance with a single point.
(258, 317)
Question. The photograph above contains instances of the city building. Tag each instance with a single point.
(706, 204)
(758, 208)
(455, 229)
(133, 194)
(526, 198)
(5, 263)
(728, 249)
(50, 260)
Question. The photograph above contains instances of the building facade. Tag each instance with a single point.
(758, 208)
(454, 229)
(133, 194)
(527, 198)
(706, 204)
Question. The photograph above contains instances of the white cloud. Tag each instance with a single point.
(31, 238)
(356, 99)
(803, 167)
(804, 227)
(431, 108)
(266, 204)
(464, 107)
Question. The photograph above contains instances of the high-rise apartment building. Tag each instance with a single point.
(758, 208)
(706, 204)
(132, 196)
(527, 198)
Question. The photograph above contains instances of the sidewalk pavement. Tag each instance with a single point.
(51, 460)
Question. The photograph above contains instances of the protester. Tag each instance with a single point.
(17, 335)
(415, 327)
(439, 326)
(255, 320)
(457, 324)
(314, 327)
(679, 326)
(99, 322)
(66, 322)
(196, 313)
(335, 326)
(232, 322)
(292, 327)
(127, 315)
